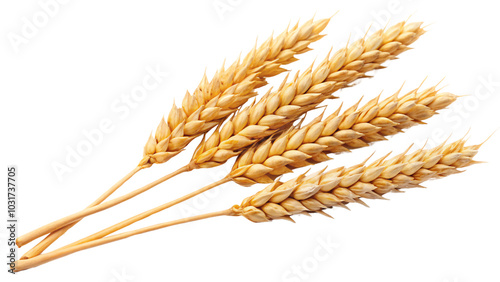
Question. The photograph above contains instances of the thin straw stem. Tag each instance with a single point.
(62, 252)
(47, 241)
(148, 213)
(25, 239)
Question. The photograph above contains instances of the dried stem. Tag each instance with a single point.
(55, 225)
(47, 241)
(62, 252)
(148, 213)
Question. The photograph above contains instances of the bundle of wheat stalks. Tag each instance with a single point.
(268, 139)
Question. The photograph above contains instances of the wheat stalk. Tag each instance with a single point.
(340, 186)
(230, 88)
(24, 264)
(316, 192)
(345, 66)
(209, 105)
(354, 128)
(305, 92)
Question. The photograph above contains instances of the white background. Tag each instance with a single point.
(71, 74)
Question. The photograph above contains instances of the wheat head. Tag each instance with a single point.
(304, 93)
(213, 101)
(340, 186)
(337, 133)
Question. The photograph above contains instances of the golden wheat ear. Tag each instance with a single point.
(213, 101)
(356, 127)
(341, 186)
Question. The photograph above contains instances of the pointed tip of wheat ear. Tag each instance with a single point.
(337, 187)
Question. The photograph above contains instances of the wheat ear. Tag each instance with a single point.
(340, 186)
(230, 88)
(305, 92)
(315, 192)
(337, 133)
(211, 103)
(273, 156)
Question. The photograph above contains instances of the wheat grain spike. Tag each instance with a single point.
(338, 187)
(213, 101)
(337, 133)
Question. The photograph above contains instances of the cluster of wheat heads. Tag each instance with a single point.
(306, 91)
(268, 143)
(335, 72)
